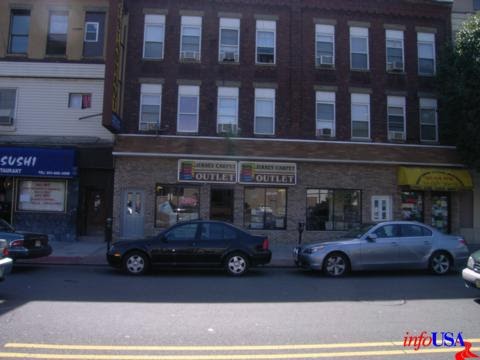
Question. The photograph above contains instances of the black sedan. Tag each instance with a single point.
(196, 243)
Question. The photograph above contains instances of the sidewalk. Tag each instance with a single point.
(93, 253)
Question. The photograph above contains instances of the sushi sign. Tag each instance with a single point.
(207, 171)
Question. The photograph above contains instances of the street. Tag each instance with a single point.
(95, 312)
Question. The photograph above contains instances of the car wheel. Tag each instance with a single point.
(135, 263)
(236, 264)
(336, 265)
(440, 263)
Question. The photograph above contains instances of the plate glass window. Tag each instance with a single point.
(265, 39)
(154, 37)
(428, 120)
(411, 205)
(264, 112)
(265, 208)
(57, 34)
(324, 45)
(19, 30)
(188, 100)
(426, 53)
(329, 210)
(176, 203)
(229, 50)
(395, 58)
(150, 107)
(325, 113)
(190, 47)
(8, 98)
(396, 118)
(360, 116)
(359, 48)
(227, 110)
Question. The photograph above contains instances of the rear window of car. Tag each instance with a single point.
(414, 231)
(213, 231)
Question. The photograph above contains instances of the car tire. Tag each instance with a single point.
(440, 263)
(236, 264)
(336, 265)
(135, 263)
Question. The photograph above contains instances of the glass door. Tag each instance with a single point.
(221, 205)
(441, 212)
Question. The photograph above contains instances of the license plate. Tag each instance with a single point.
(38, 243)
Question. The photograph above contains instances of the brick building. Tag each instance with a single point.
(273, 113)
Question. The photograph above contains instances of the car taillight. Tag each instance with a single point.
(5, 252)
(265, 244)
(462, 241)
(16, 243)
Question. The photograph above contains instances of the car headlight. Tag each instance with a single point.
(314, 249)
(470, 263)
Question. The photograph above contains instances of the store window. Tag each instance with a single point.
(412, 205)
(440, 212)
(176, 203)
(334, 210)
(266, 208)
(41, 195)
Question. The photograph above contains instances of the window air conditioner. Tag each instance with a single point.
(396, 135)
(190, 55)
(325, 60)
(227, 128)
(229, 56)
(324, 132)
(149, 126)
(395, 66)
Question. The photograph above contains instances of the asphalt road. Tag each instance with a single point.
(81, 312)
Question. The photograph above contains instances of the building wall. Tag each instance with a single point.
(40, 20)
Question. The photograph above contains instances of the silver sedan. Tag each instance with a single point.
(386, 245)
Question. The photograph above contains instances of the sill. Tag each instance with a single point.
(326, 137)
(393, 141)
(228, 62)
(429, 142)
(7, 128)
(183, 61)
(186, 133)
(56, 57)
(16, 55)
(266, 64)
(264, 135)
(152, 59)
(428, 75)
(391, 72)
(325, 67)
(360, 70)
(354, 139)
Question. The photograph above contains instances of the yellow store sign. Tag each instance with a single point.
(439, 179)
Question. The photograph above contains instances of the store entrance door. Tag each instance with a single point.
(441, 212)
(133, 214)
(6, 198)
(221, 204)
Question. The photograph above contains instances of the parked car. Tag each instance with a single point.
(5, 261)
(471, 274)
(193, 243)
(24, 245)
(386, 245)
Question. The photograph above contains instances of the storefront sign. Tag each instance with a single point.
(36, 195)
(268, 173)
(435, 179)
(37, 162)
(208, 171)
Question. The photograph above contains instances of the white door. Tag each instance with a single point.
(133, 213)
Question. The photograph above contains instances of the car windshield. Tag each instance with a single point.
(357, 232)
(4, 226)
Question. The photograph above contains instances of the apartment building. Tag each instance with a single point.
(56, 167)
(279, 114)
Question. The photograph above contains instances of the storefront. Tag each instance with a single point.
(39, 190)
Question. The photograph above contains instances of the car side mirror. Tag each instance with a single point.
(371, 237)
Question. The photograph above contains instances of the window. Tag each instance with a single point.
(388, 231)
(325, 109)
(185, 232)
(395, 58)
(191, 38)
(359, 48)
(188, 99)
(333, 209)
(94, 34)
(80, 101)
(324, 45)
(396, 118)
(8, 98)
(229, 49)
(441, 211)
(265, 51)
(412, 206)
(57, 34)
(426, 53)
(154, 37)
(91, 31)
(360, 116)
(266, 208)
(217, 232)
(19, 29)
(428, 120)
(476, 5)
(264, 112)
(381, 208)
(41, 195)
(176, 203)
(227, 110)
(150, 107)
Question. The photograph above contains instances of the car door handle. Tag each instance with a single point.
(394, 243)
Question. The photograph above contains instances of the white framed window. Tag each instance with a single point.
(324, 45)
(265, 51)
(359, 57)
(264, 123)
(325, 113)
(150, 107)
(79, 101)
(395, 50)
(426, 53)
(227, 110)
(381, 208)
(229, 43)
(191, 38)
(154, 37)
(188, 108)
(428, 120)
(8, 102)
(91, 31)
(360, 110)
(396, 114)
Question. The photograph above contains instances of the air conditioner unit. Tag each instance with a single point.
(6, 120)
(229, 56)
(227, 129)
(149, 126)
(395, 66)
(324, 132)
(396, 135)
(325, 60)
(190, 55)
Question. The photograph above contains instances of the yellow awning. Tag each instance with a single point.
(439, 179)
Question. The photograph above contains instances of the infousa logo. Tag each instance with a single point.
(440, 339)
